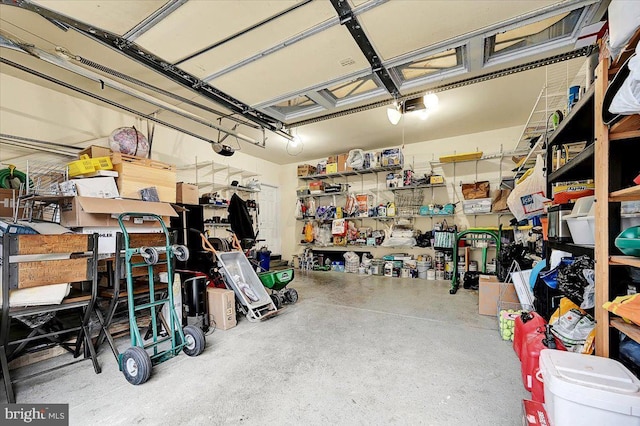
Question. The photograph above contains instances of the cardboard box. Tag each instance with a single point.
(94, 151)
(8, 198)
(342, 163)
(187, 193)
(332, 159)
(491, 291)
(331, 168)
(107, 235)
(78, 212)
(99, 187)
(436, 179)
(306, 170)
(222, 308)
(316, 185)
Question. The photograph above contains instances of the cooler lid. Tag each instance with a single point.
(592, 371)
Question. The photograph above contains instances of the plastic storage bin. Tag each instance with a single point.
(578, 221)
(588, 390)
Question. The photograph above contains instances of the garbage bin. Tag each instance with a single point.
(264, 259)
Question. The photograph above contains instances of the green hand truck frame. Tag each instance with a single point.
(494, 234)
(135, 362)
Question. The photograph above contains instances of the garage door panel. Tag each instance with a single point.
(416, 24)
(200, 24)
(259, 39)
(317, 59)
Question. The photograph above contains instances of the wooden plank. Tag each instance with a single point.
(40, 244)
(460, 157)
(119, 158)
(627, 128)
(631, 330)
(601, 167)
(133, 177)
(625, 260)
(147, 240)
(627, 194)
(35, 274)
(627, 51)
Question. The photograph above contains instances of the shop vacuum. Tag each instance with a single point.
(194, 302)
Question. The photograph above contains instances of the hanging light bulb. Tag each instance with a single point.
(431, 101)
(394, 115)
(295, 141)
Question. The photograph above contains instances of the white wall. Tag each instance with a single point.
(417, 156)
(29, 110)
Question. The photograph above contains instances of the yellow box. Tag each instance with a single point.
(102, 163)
(332, 168)
(436, 179)
(81, 167)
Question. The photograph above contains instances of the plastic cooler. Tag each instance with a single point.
(588, 390)
(525, 325)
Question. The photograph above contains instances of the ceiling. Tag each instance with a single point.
(297, 67)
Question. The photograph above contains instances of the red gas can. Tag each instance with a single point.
(525, 325)
(537, 387)
(541, 339)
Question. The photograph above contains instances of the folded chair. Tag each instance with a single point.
(33, 261)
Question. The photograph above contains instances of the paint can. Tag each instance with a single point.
(422, 269)
(431, 274)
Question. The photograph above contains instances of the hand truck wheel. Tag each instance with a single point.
(180, 252)
(194, 340)
(136, 365)
(150, 255)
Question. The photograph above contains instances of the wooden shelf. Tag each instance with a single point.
(631, 330)
(628, 194)
(625, 260)
(627, 128)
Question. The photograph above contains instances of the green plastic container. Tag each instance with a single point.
(629, 241)
(276, 280)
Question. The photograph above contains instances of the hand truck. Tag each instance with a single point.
(136, 363)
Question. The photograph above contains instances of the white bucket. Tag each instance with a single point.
(431, 274)
(423, 267)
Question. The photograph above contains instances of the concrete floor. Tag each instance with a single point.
(353, 350)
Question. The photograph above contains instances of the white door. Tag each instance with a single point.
(268, 218)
